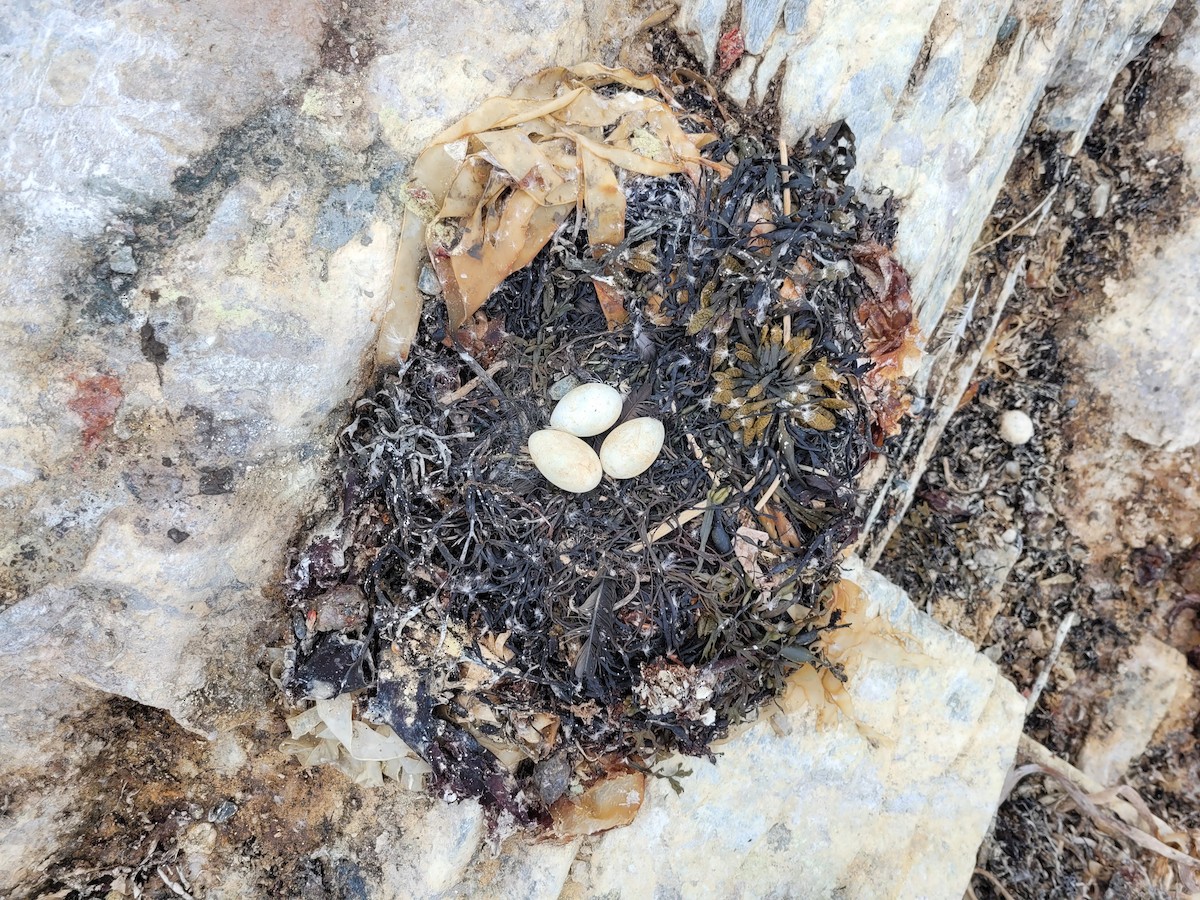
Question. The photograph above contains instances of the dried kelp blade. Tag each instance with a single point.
(405, 300)
(491, 190)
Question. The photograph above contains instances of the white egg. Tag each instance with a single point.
(632, 447)
(565, 460)
(587, 410)
(1016, 427)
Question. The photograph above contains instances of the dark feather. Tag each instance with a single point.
(599, 605)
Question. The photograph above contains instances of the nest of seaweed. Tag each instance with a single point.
(524, 643)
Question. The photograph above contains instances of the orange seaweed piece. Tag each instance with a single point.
(890, 335)
(504, 112)
(491, 251)
(604, 202)
(886, 315)
(607, 804)
(405, 299)
(612, 304)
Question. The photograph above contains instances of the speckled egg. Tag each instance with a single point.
(587, 410)
(632, 447)
(565, 461)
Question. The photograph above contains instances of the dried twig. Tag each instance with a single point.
(1000, 888)
(1090, 803)
(768, 494)
(656, 18)
(783, 164)
(481, 374)
(676, 522)
(699, 454)
(176, 889)
(1045, 204)
(1043, 678)
(454, 396)
(1129, 814)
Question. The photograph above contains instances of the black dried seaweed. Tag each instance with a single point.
(509, 599)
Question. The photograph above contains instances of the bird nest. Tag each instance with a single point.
(465, 626)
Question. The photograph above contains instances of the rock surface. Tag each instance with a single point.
(201, 247)
(1149, 683)
(1138, 476)
(198, 201)
(1105, 38)
(1147, 349)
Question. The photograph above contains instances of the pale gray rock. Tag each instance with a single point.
(434, 63)
(1132, 468)
(1144, 352)
(740, 82)
(234, 202)
(121, 260)
(1151, 682)
(759, 18)
(101, 105)
(794, 12)
(698, 24)
(1147, 347)
(520, 869)
(427, 282)
(1105, 38)
(939, 96)
(426, 855)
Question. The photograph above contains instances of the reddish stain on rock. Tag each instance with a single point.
(96, 401)
(730, 48)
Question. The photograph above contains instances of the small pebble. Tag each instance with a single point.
(588, 410)
(562, 387)
(121, 260)
(223, 812)
(1016, 427)
(199, 838)
(427, 282)
(552, 777)
(565, 460)
(632, 447)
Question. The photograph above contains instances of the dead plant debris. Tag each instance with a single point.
(986, 547)
(462, 623)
